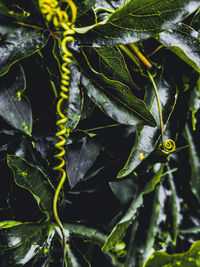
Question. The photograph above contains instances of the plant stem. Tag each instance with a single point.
(159, 108)
(140, 56)
(130, 55)
(86, 232)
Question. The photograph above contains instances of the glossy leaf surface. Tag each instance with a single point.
(119, 230)
(15, 108)
(17, 43)
(73, 108)
(148, 137)
(138, 20)
(21, 243)
(184, 42)
(80, 159)
(116, 98)
(195, 164)
(191, 258)
(32, 179)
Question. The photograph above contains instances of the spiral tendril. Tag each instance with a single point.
(169, 146)
(52, 12)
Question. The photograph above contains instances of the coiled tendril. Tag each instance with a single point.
(169, 146)
(52, 12)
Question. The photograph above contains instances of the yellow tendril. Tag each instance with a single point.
(169, 146)
(52, 12)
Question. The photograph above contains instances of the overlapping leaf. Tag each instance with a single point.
(148, 137)
(20, 242)
(195, 164)
(17, 43)
(184, 42)
(80, 159)
(137, 20)
(119, 230)
(14, 106)
(191, 258)
(112, 96)
(32, 179)
(75, 103)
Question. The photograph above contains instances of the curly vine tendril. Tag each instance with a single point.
(52, 12)
(169, 146)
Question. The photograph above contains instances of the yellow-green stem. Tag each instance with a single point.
(159, 108)
(140, 56)
(130, 55)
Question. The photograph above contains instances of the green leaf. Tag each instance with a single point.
(32, 179)
(14, 106)
(80, 158)
(74, 106)
(153, 225)
(87, 233)
(110, 62)
(184, 42)
(83, 6)
(191, 258)
(194, 163)
(114, 97)
(17, 43)
(147, 138)
(195, 22)
(194, 106)
(119, 230)
(138, 20)
(20, 242)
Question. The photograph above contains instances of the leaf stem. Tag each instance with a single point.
(159, 108)
(140, 56)
(130, 55)
(98, 128)
(86, 233)
(155, 51)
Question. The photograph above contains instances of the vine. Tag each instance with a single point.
(52, 12)
(169, 145)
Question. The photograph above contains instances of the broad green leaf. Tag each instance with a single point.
(153, 225)
(73, 109)
(184, 42)
(17, 43)
(137, 20)
(32, 179)
(21, 242)
(115, 98)
(14, 106)
(110, 62)
(191, 258)
(120, 228)
(165, 208)
(148, 137)
(194, 163)
(80, 158)
(116, 107)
